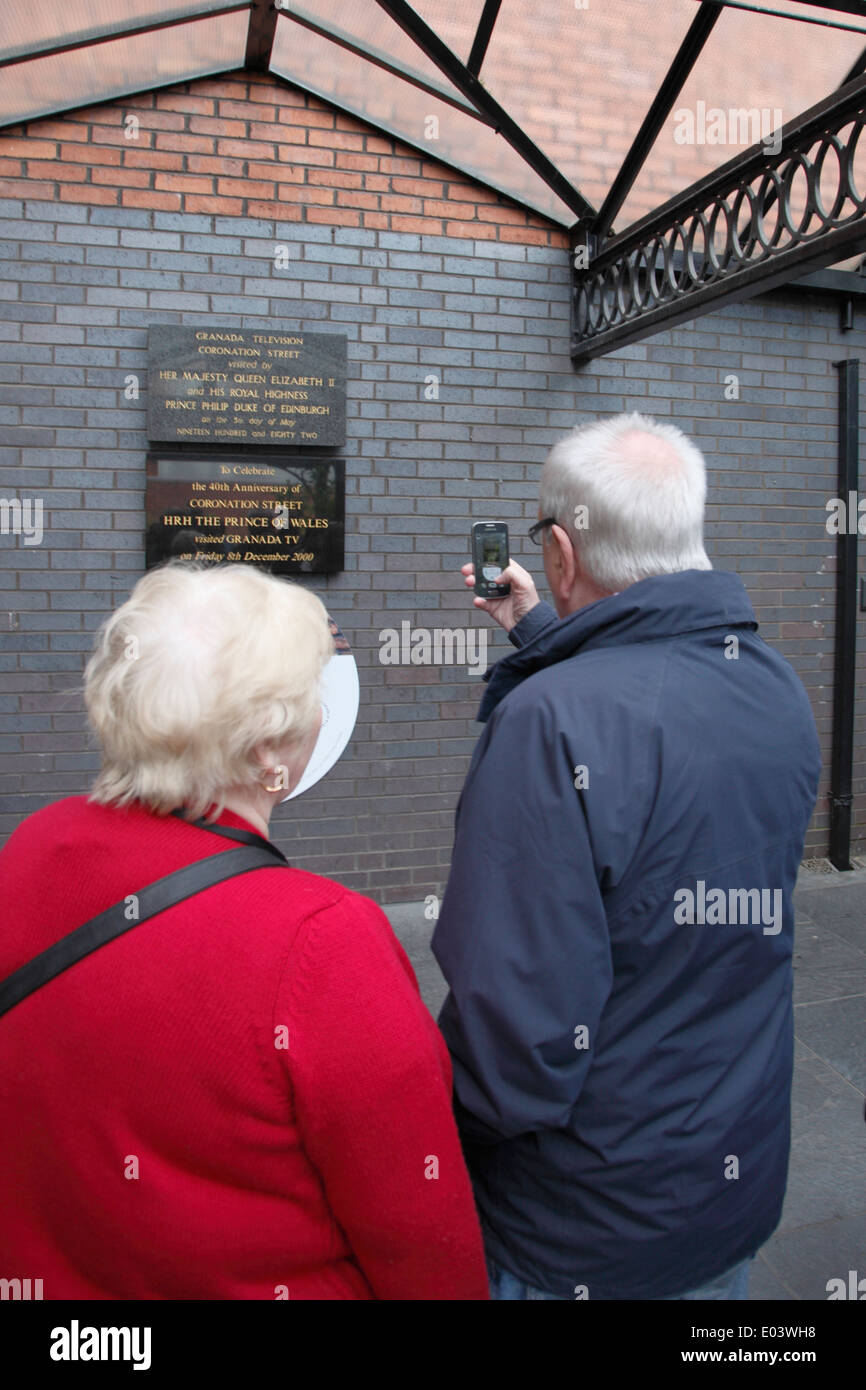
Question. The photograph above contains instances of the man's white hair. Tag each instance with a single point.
(199, 666)
(644, 499)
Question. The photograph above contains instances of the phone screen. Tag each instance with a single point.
(493, 556)
(490, 558)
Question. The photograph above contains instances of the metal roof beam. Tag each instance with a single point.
(482, 35)
(845, 6)
(343, 40)
(848, 283)
(687, 55)
(792, 14)
(471, 87)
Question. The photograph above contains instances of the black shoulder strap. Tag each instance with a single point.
(233, 832)
(129, 913)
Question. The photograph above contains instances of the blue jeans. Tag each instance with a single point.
(733, 1284)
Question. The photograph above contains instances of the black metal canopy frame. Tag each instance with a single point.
(757, 222)
(760, 220)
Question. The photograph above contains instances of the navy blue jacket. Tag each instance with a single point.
(620, 1014)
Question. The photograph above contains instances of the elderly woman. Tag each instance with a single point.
(242, 1096)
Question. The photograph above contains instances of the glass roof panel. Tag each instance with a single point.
(726, 106)
(120, 66)
(365, 24)
(455, 21)
(396, 106)
(580, 80)
(26, 27)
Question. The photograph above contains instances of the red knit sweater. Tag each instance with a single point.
(156, 1141)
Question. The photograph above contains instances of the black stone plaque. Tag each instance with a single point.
(286, 515)
(266, 387)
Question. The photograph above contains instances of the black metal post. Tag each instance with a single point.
(845, 652)
(260, 35)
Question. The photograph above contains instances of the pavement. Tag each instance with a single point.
(822, 1234)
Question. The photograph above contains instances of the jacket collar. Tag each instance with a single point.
(667, 605)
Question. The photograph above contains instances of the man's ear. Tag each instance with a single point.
(565, 567)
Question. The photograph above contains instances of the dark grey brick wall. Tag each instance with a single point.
(79, 286)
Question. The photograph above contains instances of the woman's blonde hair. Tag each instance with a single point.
(199, 666)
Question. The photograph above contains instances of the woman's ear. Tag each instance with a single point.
(263, 760)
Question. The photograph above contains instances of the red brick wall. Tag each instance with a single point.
(247, 145)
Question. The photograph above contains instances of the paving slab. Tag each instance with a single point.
(807, 1258)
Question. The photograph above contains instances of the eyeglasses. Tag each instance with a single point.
(536, 530)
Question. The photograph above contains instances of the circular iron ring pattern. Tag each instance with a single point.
(803, 194)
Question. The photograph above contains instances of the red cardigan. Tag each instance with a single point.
(155, 1140)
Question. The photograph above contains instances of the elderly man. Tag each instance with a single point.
(617, 928)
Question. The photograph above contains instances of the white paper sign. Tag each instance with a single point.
(341, 694)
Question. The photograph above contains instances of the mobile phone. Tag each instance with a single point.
(490, 557)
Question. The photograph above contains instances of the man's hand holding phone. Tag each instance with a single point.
(508, 610)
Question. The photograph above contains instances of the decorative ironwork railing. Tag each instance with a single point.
(761, 219)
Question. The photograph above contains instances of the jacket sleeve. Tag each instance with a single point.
(522, 935)
(371, 1081)
(532, 623)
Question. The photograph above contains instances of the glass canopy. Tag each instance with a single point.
(121, 66)
(735, 104)
(26, 27)
(452, 134)
(541, 102)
